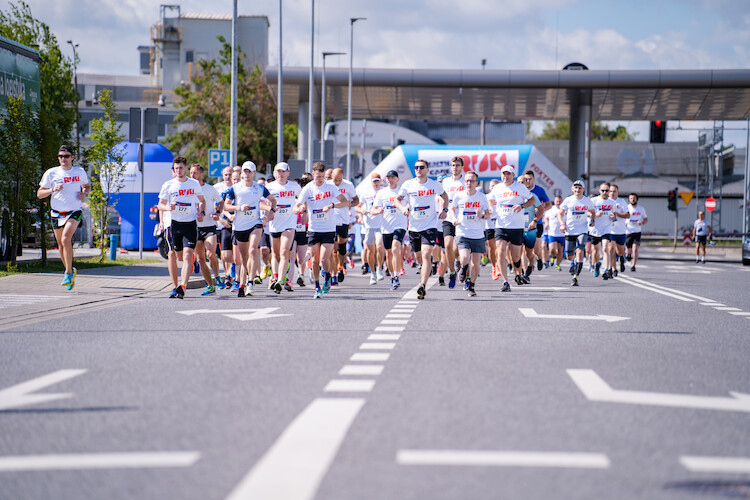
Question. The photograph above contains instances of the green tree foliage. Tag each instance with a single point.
(561, 131)
(59, 99)
(20, 173)
(205, 115)
(105, 157)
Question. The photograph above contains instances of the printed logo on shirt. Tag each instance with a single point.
(285, 194)
(72, 179)
(426, 192)
(323, 196)
(185, 192)
(472, 204)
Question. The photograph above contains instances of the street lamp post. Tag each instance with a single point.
(323, 104)
(75, 83)
(310, 92)
(349, 110)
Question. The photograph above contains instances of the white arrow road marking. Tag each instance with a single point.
(98, 461)
(239, 314)
(19, 395)
(596, 389)
(531, 313)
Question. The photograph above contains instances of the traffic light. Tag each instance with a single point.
(672, 200)
(658, 132)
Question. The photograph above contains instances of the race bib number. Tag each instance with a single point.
(470, 216)
(392, 210)
(320, 215)
(506, 209)
(182, 208)
(249, 213)
(300, 228)
(421, 212)
(283, 210)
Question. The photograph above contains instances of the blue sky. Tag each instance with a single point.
(443, 34)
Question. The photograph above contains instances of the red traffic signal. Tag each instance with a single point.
(658, 133)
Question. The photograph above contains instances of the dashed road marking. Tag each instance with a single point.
(503, 459)
(361, 370)
(344, 385)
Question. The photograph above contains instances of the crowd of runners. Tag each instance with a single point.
(300, 232)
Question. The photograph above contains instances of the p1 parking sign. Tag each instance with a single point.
(218, 159)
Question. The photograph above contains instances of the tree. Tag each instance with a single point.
(205, 115)
(560, 130)
(106, 159)
(59, 99)
(20, 173)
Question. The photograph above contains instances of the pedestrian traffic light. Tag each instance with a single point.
(672, 200)
(658, 132)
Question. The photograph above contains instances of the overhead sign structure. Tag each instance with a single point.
(710, 204)
(218, 159)
(687, 196)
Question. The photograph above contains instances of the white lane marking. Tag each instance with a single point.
(596, 389)
(20, 395)
(389, 328)
(7, 300)
(545, 288)
(651, 288)
(503, 459)
(384, 336)
(361, 370)
(739, 465)
(344, 385)
(394, 321)
(660, 287)
(98, 461)
(397, 316)
(370, 356)
(712, 304)
(740, 313)
(727, 308)
(377, 346)
(247, 314)
(294, 466)
(531, 313)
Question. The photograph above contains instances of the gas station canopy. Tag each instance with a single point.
(523, 95)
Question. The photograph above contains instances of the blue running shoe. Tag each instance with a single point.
(334, 281)
(196, 267)
(452, 280)
(398, 282)
(235, 286)
(219, 282)
(596, 269)
(67, 279)
(210, 290)
(327, 283)
(174, 294)
(318, 293)
(231, 272)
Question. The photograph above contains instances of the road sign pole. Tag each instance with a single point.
(141, 154)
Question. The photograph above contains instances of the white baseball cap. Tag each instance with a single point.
(281, 166)
(248, 165)
(508, 168)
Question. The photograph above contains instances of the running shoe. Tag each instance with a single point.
(196, 267)
(467, 284)
(235, 286)
(605, 275)
(210, 290)
(572, 269)
(379, 274)
(452, 280)
(174, 294)
(464, 272)
(558, 267)
(611, 276)
(421, 292)
(506, 287)
(68, 278)
(340, 275)
(258, 280)
(181, 292)
(472, 293)
(373, 280)
(519, 280)
(318, 293)
(301, 281)
(629, 258)
(622, 265)
(574, 282)
(398, 282)
(266, 272)
(596, 269)
(393, 284)
(219, 282)
(485, 260)
(387, 273)
(495, 273)
(277, 287)
(232, 272)
(529, 270)
(72, 280)
(526, 280)
(441, 281)
(288, 287)
(271, 284)
(632, 269)
(539, 264)
(365, 268)
(546, 265)
(249, 290)
(402, 272)
(434, 268)
(334, 281)
(327, 283)
(241, 292)
(351, 263)
(591, 268)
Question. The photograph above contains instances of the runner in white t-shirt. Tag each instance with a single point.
(224, 230)
(489, 236)
(452, 186)
(68, 186)
(372, 241)
(183, 198)
(418, 195)
(343, 224)
(469, 210)
(555, 237)
(509, 199)
(633, 229)
(318, 198)
(393, 228)
(621, 214)
(701, 233)
(205, 246)
(283, 225)
(573, 223)
(600, 232)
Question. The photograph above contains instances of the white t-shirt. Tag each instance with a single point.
(393, 218)
(637, 214)
(422, 203)
(65, 200)
(286, 198)
(618, 226)
(185, 197)
(368, 202)
(467, 208)
(452, 188)
(247, 195)
(317, 197)
(575, 214)
(602, 225)
(553, 222)
(212, 198)
(701, 227)
(342, 214)
(506, 197)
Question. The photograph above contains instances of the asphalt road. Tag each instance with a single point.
(371, 394)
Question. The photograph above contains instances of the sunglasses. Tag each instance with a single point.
(64, 156)
(420, 167)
